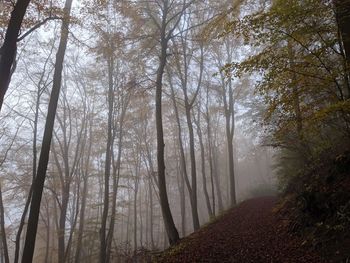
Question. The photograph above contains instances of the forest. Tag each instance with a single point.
(174, 131)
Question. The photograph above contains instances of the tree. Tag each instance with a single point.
(85, 174)
(166, 30)
(203, 166)
(41, 84)
(67, 167)
(3, 241)
(38, 183)
(224, 56)
(182, 62)
(303, 82)
(342, 11)
(109, 149)
(9, 47)
(8, 50)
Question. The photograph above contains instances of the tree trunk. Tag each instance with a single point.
(82, 219)
(183, 204)
(116, 177)
(181, 187)
(204, 179)
(217, 177)
(210, 150)
(194, 206)
(151, 211)
(3, 231)
(38, 184)
(135, 215)
(171, 230)
(9, 47)
(48, 228)
(103, 241)
(62, 222)
(34, 165)
(230, 126)
(182, 151)
(342, 10)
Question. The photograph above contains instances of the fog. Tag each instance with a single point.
(102, 181)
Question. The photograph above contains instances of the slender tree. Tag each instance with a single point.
(3, 241)
(38, 184)
(166, 34)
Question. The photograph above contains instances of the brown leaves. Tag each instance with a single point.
(251, 232)
(38, 10)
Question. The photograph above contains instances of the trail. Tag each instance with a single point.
(250, 232)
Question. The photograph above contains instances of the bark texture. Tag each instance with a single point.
(9, 48)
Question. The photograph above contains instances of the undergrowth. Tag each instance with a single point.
(317, 204)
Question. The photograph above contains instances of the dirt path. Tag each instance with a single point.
(248, 233)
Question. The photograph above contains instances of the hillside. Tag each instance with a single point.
(251, 232)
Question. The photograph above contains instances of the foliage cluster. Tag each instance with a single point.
(317, 203)
(299, 66)
(301, 73)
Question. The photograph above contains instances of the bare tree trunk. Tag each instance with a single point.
(1, 253)
(62, 223)
(183, 74)
(128, 219)
(74, 220)
(103, 241)
(230, 127)
(151, 211)
(210, 150)
(34, 166)
(182, 154)
(141, 219)
(116, 176)
(171, 230)
(38, 184)
(48, 228)
(9, 47)
(181, 187)
(3, 231)
(82, 219)
(66, 177)
(217, 177)
(85, 173)
(204, 179)
(183, 204)
(135, 215)
(195, 216)
(21, 224)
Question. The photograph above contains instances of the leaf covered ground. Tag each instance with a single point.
(250, 232)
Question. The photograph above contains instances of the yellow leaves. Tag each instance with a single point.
(341, 107)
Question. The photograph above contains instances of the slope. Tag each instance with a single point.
(250, 232)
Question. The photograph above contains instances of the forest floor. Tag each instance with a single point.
(250, 232)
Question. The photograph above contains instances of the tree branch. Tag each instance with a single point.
(37, 26)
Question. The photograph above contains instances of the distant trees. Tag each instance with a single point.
(222, 57)
(137, 148)
(304, 81)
